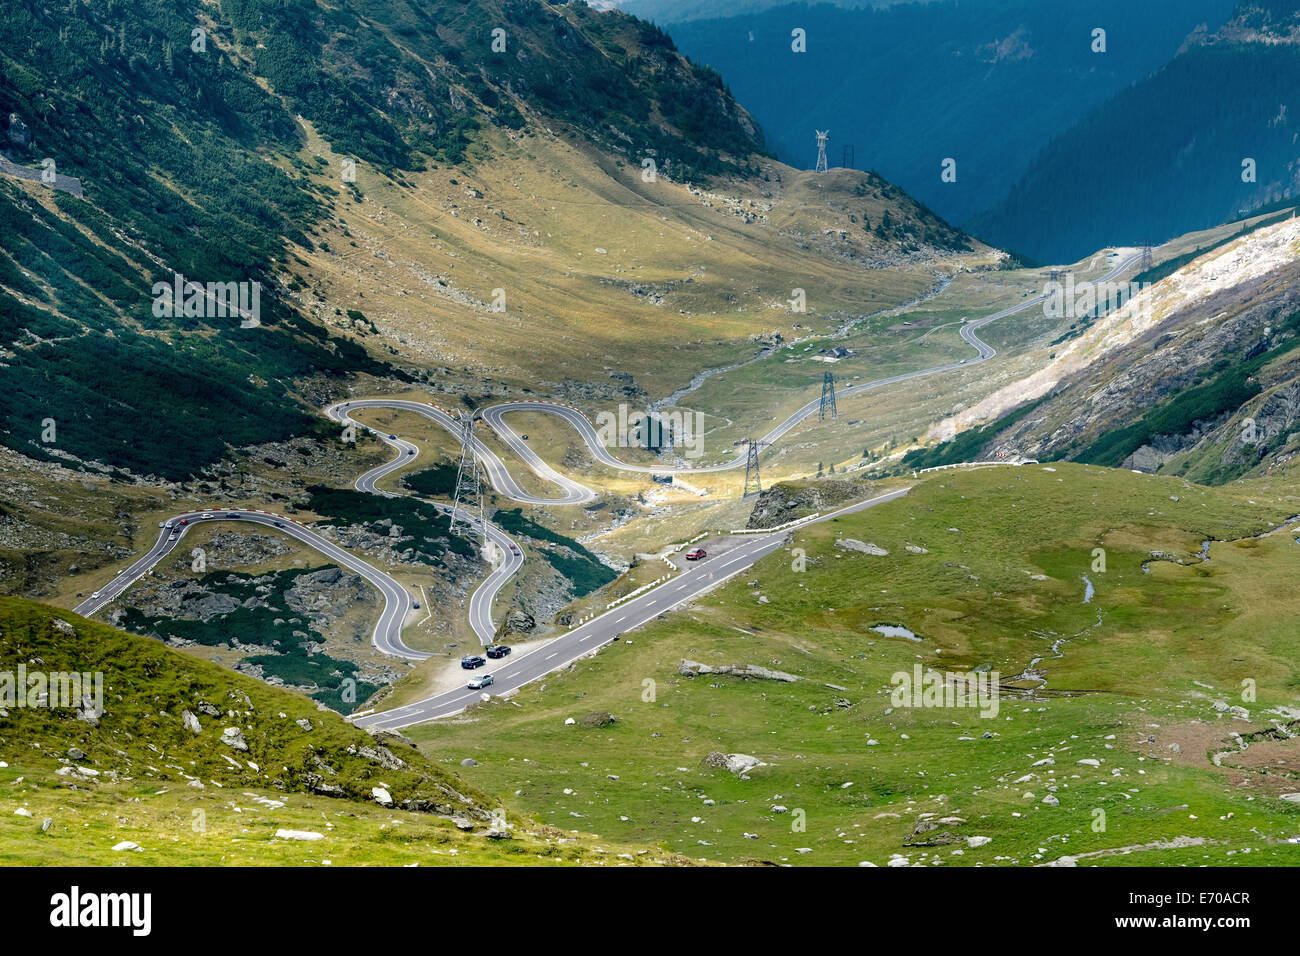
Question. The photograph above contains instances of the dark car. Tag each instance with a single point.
(471, 661)
(696, 554)
(498, 650)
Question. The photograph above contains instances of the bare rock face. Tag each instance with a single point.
(696, 669)
(781, 502)
(520, 621)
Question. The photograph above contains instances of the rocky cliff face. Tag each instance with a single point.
(1225, 311)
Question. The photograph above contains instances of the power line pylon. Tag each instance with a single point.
(1146, 256)
(828, 396)
(821, 149)
(751, 465)
(467, 502)
(848, 156)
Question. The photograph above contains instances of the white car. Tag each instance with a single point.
(478, 683)
(94, 595)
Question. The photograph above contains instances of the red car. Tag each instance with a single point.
(696, 554)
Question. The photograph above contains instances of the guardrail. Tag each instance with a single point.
(781, 527)
(638, 592)
(975, 464)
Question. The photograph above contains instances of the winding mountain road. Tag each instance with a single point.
(728, 555)
(398, 603)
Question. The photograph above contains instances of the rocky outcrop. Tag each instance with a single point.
(696, 669)
(862, 547)
(520, 621)
(785, 502)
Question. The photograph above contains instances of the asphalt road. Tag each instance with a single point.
(728, 556)
(575, 493)
(398, 603)
(508, 550)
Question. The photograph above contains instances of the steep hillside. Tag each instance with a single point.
(248, 142)
(186, 763)
(1200, 377)
(985, 82)
(1183, 137)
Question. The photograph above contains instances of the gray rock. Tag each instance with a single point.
(863, 547)
(233, 737)
(696, 669)
(191, 722)
(520, 621)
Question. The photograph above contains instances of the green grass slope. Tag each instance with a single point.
(1111, 714)
(139, 774)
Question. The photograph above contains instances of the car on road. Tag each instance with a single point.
(185, 521)
(207, 514)
(497, 650)
(232, 515)
(478, 683)
(95, 594)
(394, 437)
(471, 661)
(279, 524)
(514, 549)
(695, 554)
(411, 451)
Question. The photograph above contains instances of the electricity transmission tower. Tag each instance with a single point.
(467, 502)
(848, 156)
(821, 149)
(1146, 255)
(751, 465)
(828, 397)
